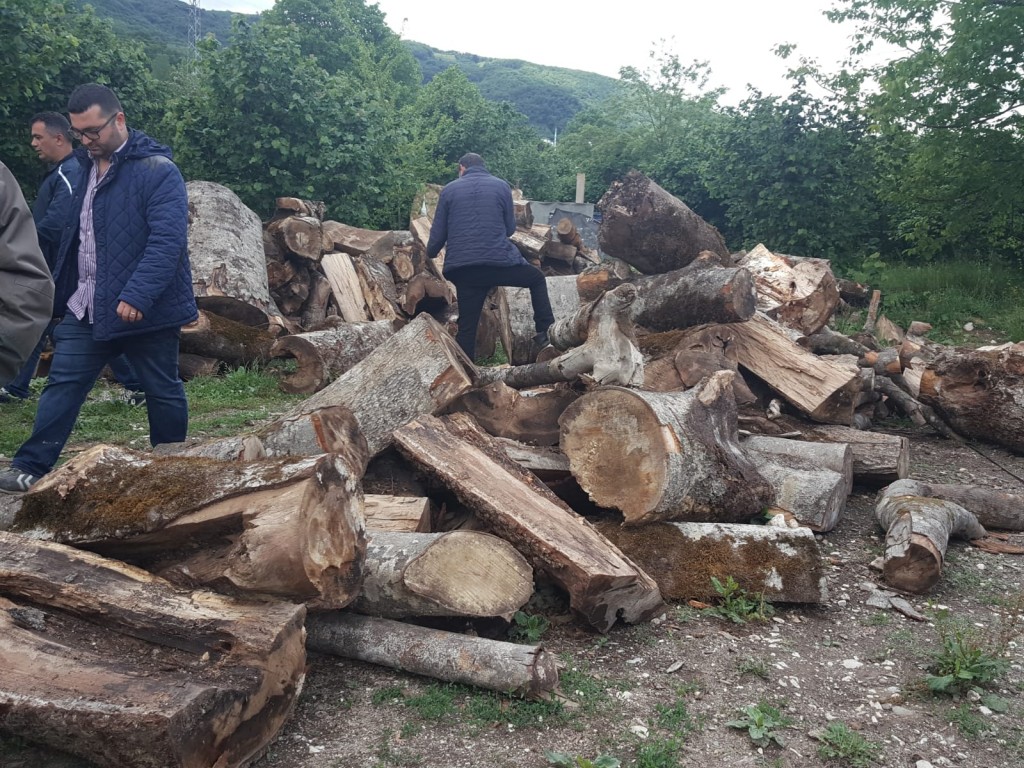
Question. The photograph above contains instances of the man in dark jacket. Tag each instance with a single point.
(123, 275)
(475, 217)
(26, 290)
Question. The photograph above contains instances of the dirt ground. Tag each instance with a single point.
(660, 694)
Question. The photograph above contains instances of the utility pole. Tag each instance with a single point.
(194, 29)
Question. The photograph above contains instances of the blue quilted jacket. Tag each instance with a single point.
(140, 216)
(50, 210)
(475, 217)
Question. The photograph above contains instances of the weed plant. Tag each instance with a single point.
(737, 605)
(967, 657)
(762, 723)
(565, 760)
(848, 747)
(528, 628)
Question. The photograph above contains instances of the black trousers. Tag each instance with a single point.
(474, 283)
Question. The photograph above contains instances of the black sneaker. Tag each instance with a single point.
(6, 396)
(540, 340)
(15, 481)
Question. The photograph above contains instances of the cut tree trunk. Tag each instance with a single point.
(461, 573)
(798, 293)
(234, 344)
(530, 243)
(598, 278)
(780, 564)
(314, 311)
(225, 248)
(993, 509)
(917, 533)
(359, 242)
(811, 480)
(426, 293)
(664, 455)
(225, 701)
(322, 356)
(418, 370)
(516, 321)
(510, 668)
(979, 392)
(647, 227)
(299, 235)
(397, 514)
(603, 586)
(529, 416)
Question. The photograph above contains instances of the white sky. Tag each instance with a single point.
(735, 36)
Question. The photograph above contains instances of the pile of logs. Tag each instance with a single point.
(688, 397)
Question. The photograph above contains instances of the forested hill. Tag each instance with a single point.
(548, 96)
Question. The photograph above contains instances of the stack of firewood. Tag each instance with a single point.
(412, 484)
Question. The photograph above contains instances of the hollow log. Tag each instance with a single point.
(647, 227)
(992, 508)
(423, 290)
(322, 356)
(598, 278)
(918, 530)
(979, 392)
(664, 455)
(225, 247)
(460, 573)
(234, 344)
(222, 704)
(811, 480)
(418, 370)
(798, 293)
(780, 564)
(520, 670)
(603, 586)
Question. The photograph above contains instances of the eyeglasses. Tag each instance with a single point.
(91, 133)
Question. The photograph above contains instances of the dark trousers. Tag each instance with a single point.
(78, 360)
(472, 284)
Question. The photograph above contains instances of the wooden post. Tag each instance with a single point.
(581, 186)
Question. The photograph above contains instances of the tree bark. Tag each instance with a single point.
(521, 670)
(993, 509)
(234, 344)
(602, 585)
(322, 356)
(516, 321)
(645, 226)
(664, 455)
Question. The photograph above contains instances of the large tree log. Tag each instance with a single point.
(225, 247)
(917, 533)
(598, 278)
(644, 225)
(460, 573)
(235, 344)
(993, 509)
(520, 670)
(529, 416)
(360, 242)
(321, 356)
(602, 585)
(516, 322)
(812, 481)
(798, 293)
(780, 564)
(979, 393)
(299, 235)
(426, 293)
(664, 455)
(418, 370)
(231, 710)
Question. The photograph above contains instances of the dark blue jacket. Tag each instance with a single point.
(475, 218)
(140, 217)
(50, 210)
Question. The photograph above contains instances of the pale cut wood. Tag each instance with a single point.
(397, 514)
(420, 228)
(516, 322)
(798, 293)
(401, 264)
(887, 332)
(418, 370)
(876, 300)
(530, 244)
(321, 356)
(918, 530)
(598, 278)
(546, 462)
(509, 668)
(345, 285)
(358, 242)
(811, 480)
(603, 585)
(460, 573)
(257, 647)
(378, 287)
(780, 564)
(992, 508)
(664, 455)
(529, 415)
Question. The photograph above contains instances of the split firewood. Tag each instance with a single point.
(378, 287)
(887, 332)
(598, 278)
(603, 585)
(664, 455)
(398, 514)
(516, 320)
(293, 294)
(294, 206)
(348, 292)
(314, 311)
(779, 564)
(520, 670)
(299, 235)
(876, 300)
(993, 509)
(402, 265)
(418, 370)
(547, 462)
(529, 416)
(697, 353)
(321, 356)
(360, 242)
(460, 573)
(531, 242)
(798, 293)
(979, 392)
(652, 230)
(811, 480)
(918, 530)
(223, 711)
(225, 248)
(523, 213)
(235, 344)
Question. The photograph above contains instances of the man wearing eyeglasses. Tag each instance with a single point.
(122, 280)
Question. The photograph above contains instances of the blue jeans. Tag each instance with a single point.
(78, 360)
(119, 366)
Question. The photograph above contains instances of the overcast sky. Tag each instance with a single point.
(735, 36)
